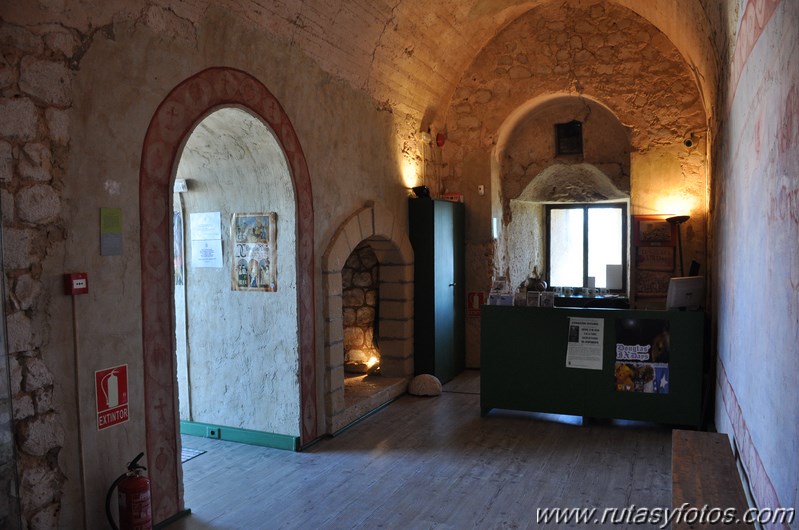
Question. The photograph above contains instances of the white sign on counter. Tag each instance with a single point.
(584, 346)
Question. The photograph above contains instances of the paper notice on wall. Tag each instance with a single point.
(207, 253)
(205, 225)
(584, 346)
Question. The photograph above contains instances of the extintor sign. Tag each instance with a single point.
(111, 387)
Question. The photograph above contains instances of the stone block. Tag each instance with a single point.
(384, 222)
(21, 39)
(396, 367)
(396, 348)
(335, 401)
(6, 162)
(40, 434)
(38, 204)
(353, 231)
(37, 163)
(7, 205)
(396, 329)
(334, 331)
(26, 292)
(332, 283)
(43, 400)
(396, 273)
(365, 316)
(37, 375)
(15, 371)
(366, 222)
(47, 81)
(424, 385)
(47, 518)
(396, 291)
(337, 374)
(62, 41)
(395, 310)
(18, 248)
(353, 337)
(38, 485)
(21, 335)
(334, 354)
(20, 119)
(336, 256)
(23, 407)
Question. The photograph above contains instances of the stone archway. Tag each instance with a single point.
(184, 107)
(377, 226)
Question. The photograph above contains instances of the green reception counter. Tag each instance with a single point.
(622, 364)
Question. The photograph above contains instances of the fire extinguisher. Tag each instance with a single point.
(135, 509)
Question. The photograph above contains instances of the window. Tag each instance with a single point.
(582, 239)
(569, 138)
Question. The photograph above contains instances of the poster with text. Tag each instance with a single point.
(642, 355)
(254, 242)
(584, 345)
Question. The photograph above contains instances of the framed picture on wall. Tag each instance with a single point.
(654, 231)
(254, 251)
(654, 258)
(651, 284)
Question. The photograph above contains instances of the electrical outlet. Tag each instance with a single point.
(212, 432)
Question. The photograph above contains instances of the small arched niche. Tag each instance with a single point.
(533, 174)
(370, 232)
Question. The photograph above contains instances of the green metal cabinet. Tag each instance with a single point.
(436, 230)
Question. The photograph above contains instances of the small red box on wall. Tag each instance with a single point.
(76, 283)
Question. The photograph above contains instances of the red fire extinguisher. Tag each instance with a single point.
(135, 509)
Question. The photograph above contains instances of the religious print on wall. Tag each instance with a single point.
(642, 355)
(254, 250)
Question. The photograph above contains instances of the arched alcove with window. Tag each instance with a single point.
(533, 173)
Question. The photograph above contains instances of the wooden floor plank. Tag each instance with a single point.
(429, 463)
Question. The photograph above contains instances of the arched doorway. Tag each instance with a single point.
(178, 114)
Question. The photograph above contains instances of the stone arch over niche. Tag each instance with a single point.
(377, 226)
(177, 115)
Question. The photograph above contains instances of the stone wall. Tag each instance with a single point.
(36, 94)
(359, 279)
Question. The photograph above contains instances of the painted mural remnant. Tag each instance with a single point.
(254, 244)
(642, 355)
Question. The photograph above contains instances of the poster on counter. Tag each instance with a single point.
(254, 242)
(642, 355)
(584, 347)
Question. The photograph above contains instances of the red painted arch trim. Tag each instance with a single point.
(185, 106)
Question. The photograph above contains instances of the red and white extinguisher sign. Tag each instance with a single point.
(111, 387)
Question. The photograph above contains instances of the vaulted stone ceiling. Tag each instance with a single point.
(407, 54)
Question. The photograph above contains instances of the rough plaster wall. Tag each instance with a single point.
(242, 346)
(757, 241)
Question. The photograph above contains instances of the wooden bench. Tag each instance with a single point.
(704, 472)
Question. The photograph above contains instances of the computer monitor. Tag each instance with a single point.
(686, 292)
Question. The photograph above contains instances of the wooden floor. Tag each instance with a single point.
(430, 463)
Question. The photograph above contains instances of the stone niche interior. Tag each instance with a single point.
(368, 271)
(359, 285)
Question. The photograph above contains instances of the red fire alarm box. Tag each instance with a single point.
(76, 283)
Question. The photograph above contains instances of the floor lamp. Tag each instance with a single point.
(678, 220)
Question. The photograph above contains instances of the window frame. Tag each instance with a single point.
(586, 206)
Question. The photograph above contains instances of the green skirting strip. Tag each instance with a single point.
(244, 436)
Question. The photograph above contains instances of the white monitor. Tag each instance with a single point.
(686, 292)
